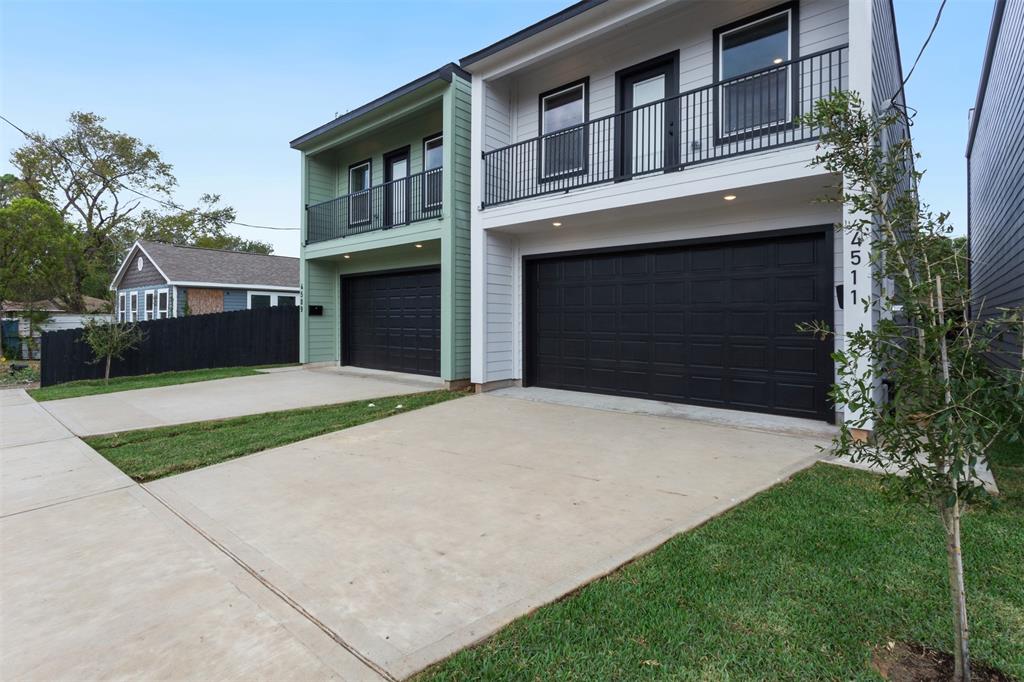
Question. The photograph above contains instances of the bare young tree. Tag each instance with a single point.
(949, 404)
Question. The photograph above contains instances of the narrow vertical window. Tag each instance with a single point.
(433, 160)
(134, 307)
(753, 58)
(149, 305)
(563, 131)
(121, 313)
(161, 305)
(359, 193)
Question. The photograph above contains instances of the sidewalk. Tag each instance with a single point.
(100, 580)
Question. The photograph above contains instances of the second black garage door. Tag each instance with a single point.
(392, 321)
(705, 323)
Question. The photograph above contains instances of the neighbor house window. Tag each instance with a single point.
(134, 307)
(433, 159)
(266, 299)
(149, 305)
(161, 304)
(761, 44)
(121, 312)
(359, 193)
(562, 121)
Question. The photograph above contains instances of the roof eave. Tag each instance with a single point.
(443, 74)
(530, 31)
(986, 68)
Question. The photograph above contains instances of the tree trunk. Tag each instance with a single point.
(106, 375)
(951, 520)
(955, 567)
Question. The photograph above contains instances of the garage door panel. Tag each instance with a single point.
(710, 324)
(392, 321)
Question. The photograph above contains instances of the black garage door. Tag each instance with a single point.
(705, 323)
(392, 321)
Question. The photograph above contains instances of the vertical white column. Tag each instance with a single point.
(857, 280)
(303, 270)
(478, 247)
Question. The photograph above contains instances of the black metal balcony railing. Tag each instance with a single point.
(749, 113)
(398, 202)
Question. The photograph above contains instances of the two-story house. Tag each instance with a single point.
(385, 232)
(645, 215)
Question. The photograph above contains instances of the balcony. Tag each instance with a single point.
(750, 113)
(381, 207)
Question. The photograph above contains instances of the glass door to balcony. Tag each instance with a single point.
(396, 196)
(647, 126)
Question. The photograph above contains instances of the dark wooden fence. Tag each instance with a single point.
(263, 336)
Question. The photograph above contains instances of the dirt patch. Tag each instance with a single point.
(907, 662)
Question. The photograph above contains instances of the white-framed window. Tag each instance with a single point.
(750, 103)
(134, 310)
(149, 296)
(563, 116)
(433, 161)
(121, 311)
(267, 299)
(359, 178)
(162, 299)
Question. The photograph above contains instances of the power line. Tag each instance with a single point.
(163, 202)
(910, 73)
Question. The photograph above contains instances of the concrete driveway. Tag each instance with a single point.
(409, 538)
(223, 398)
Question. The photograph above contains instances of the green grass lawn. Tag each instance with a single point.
(800, 582)
(149, 454)
(76, 389)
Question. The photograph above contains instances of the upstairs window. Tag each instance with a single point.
(433, 159)
(749, 103)
(359, 193)
(563, 115)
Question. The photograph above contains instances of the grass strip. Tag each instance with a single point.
(149, 454)
(77, 389)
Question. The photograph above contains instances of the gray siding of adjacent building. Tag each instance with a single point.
(133, 277)
(995, 163)
(234, 299)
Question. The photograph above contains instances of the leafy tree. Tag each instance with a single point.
(204, 226)
(11, 188)
(83, 174)
(109, 340)
(38, 250)
(949, 404)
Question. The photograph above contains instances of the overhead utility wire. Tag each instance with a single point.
(935, 25)
(163, 202)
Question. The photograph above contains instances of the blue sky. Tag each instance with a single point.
(220, 87)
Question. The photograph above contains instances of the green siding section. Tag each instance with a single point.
(460, 179)
(321, 288)
(445, 240)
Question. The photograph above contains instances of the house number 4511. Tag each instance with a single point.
(855, 260)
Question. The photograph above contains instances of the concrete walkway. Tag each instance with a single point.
(412, 537)
(224, 398)
(99, 580)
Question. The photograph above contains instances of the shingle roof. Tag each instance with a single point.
(192, 264)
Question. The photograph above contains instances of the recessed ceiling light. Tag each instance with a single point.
(556, 224)
(777, 60)
(346, 256)
(419, 246)
(729, 197)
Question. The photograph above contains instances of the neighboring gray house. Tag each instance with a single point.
(995, 173)
(158, 280)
